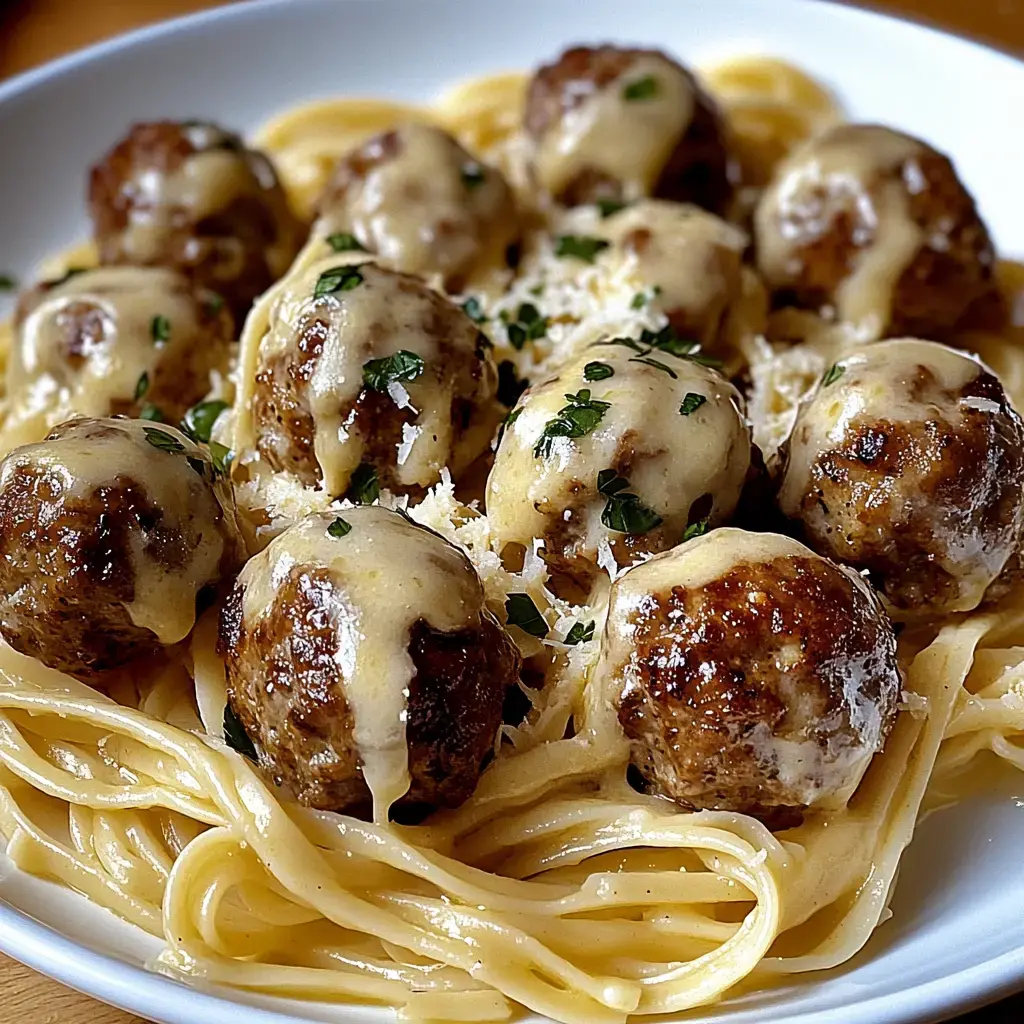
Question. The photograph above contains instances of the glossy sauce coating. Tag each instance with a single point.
(909, 463)
(363, 660)
(750, 674)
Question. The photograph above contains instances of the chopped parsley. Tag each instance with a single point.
(580, 633)
(162, 440)
(149, 411)
(472, 308)
(402, 366)
(664, 341)
(522, 612)
(580, 247)
(160, 329)
(199, 420)
(832, 374)
(528, 325)
(510, 384)
(639, 301)
(8, 282)
(339, 528)
(141, 386)
(337, 279)
(624, 512)
(345, 241)
(214, 303)
(691, 403)
(697, 529)
(657, 364)
(235, 735)
(641, 89)
(472, 175)
(597, 371)
(608, 207)
(580, 417)
(222, 457)
(363, 485)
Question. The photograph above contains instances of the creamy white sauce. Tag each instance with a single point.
(387, 575)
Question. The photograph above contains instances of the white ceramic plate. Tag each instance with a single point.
(956, 938)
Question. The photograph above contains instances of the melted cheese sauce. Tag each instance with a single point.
(388, 574)
(382, 315)
(861, 171)
(96, 454)
(47, 383)
(429, 208)
(673, 459)
(627, 140)
(812, 757)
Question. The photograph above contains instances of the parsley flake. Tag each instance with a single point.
(832, 374)
(597, 371)
(363, 485)
(580, 417)
(580, 633)
(345, 241)
(337, 279)
(199, 420)
(609, 482)
(222, 457)
(149, 411)
(472, 175)
(402, 366)
(657, 364)
(472, 308)
(528, 325)
(8, 282)
(162, 440)
(691, 403)
(608, 207)
(580, 247)
(235, 735)
(697, 529)
(160, 329)
(141, 386)
(339, 528)
(624, 512)
(522, 612)
(641, 89)
(214, 303)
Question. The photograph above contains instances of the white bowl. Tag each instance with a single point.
(957, 934)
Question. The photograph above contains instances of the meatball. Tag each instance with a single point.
(750, 674)
(415, 198)
(691, 261)
(876, 225)
(908, 462)
(365, 365)
(110, 531)
(616, 455)
(114, 341)
(360, 656)
(191, 196)
(616, 124)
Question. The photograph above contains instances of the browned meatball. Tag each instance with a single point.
(364, 365)
(877, 225)
(361, 658)
(110, 530)
(190, 195)
(114, 341)
(423, 204)
(909, 462)
(617, 124)
(750, 674)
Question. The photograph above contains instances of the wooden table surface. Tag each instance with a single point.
(34, 31)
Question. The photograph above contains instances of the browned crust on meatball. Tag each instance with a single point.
(707, 665)
(285, 686)
(965, 480)
(697, 170)
(226, 251)
(942, 290)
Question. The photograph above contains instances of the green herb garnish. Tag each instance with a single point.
(580, 633)
(215, 303)
(522, 612)
(345, 241)
(235, 735)
(339, 528)
(149, 411)
(162, 440)
(472, 308)
(641, 89)
(580, 247)
(472, 175)
(697, 529)
(199, 420)
(832, 374)
(597, 371)
(578, 418)
(221, 456)
(528, 325)
(608, 207)
(160, 329)
(691, 403)
(141, 386)
(8, 282)
(403, 365)
(338, 279)
(624, 512)
(363, 485)
(657, 364)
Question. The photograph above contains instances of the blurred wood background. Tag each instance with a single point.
(35, 31)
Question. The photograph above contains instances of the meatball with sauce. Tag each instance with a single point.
(908, 462)
(617, 455)
(876, 226)
(750, 675)
(360, 656)
(114, 341)
(617, 124)
(190, 195)
(362, 365)
(110, 531)
(422, 204)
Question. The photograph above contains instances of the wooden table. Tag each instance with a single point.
(34, 31)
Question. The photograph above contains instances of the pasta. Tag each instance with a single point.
(557, 887)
